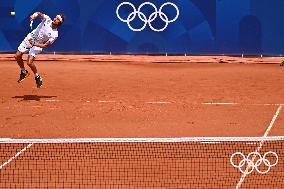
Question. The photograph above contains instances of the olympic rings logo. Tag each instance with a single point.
(144, 18)
(254, 161)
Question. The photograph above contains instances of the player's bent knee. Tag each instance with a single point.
(18, 57)
(30, 63)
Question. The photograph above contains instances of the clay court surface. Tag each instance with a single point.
(140, 96)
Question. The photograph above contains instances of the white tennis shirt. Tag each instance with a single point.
(44, 32)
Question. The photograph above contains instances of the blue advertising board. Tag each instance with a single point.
(152, 26)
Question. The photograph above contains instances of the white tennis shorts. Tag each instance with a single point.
(26, 47)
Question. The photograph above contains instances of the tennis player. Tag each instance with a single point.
(41, 37)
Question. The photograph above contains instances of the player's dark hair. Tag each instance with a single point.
(63, 18)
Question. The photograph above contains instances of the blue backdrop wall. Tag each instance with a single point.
(178, 27)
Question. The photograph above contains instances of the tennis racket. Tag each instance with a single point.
(31, 24)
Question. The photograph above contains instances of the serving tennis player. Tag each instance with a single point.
(41, 37)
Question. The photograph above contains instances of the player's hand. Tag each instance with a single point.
(32, 17)
(31, 41)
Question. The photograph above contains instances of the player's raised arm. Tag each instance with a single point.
(37, 14)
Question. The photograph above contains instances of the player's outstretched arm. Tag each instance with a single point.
(37, 14)
(45, 45)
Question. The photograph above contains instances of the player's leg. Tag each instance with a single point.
(32, 54)
(31, 64)
(19, 58)
(282, 63)
(23, 73)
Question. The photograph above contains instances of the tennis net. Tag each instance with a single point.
(171, 163)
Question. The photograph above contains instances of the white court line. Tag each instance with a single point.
(166, 102)
(51, 100)
(106, 101)
(37, 106)
(260, 145)
(15, 156)
(233, 103)
(220, 103)
(158, 102)
(269, 104)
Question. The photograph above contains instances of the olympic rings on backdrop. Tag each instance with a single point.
(253, 160)
(144, 18)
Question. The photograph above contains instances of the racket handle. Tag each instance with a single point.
(31, 24)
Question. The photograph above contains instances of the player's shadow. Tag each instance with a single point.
(33, 97)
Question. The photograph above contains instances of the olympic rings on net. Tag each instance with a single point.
(253, 161)
(144, 18)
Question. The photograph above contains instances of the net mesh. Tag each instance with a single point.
(187, 163)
